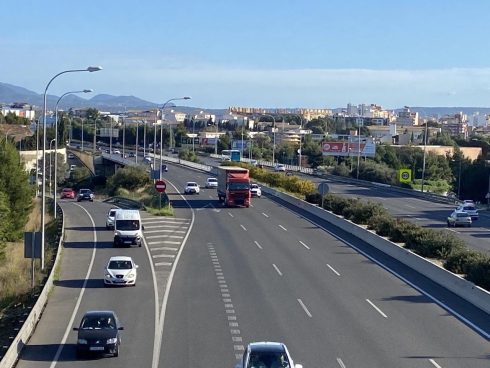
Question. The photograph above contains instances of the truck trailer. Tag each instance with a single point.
(234, 186)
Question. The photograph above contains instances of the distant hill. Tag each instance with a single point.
(10, 93)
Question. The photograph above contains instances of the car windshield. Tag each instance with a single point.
(254, 186)
(469, 208)
(127, 224)
(212, 180)
(98, 323)
(192, 184)
(84, 191)
(120, 265)
(268, 360)
(462, 214)
(66, 190)
(238, 186)
(112, 213)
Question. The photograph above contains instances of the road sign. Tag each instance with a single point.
(405, 175)
(160, 186)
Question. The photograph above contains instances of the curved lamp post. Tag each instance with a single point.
(43, 202)
(56, 141)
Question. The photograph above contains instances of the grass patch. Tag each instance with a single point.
(164, 211)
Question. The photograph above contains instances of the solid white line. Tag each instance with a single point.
(258, 245)
(243, 227)
(80, 295)
(304, 307)
(160, 226)
(304, 245)
(168, 287)
(163, 256)
(164, 231)
(375, 307)
(163, 264)
(419, 289)
(434, 363)
(333, 270)
(266, 215)
(164, 248)
(341, 363)
(282, 227)
(277, 269)
(230, 214)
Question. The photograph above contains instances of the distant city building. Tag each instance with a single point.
(407, 117)
(22, 110)
(455, 125)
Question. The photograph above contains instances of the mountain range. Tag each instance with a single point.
(105, 102)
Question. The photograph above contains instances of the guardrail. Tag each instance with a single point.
(125, 202)
(25, 332)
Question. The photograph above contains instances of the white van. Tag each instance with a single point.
(128, 229)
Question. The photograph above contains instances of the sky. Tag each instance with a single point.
(258, 53)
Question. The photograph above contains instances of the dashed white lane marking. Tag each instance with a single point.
(333, 270)
(282, 227)
(434, 363)
(304, 245)
(377, 309)
(228, 304)
(277, 269)
(211, 197)
(251, 205)
(304, 307)
(454, 231)
(163, 264)
(265, 214)
(243, 227)
(230, 214)
(163, 256)
(419, 219)
(341, 363)
(258, 245)
(164, 248)
(410, 206)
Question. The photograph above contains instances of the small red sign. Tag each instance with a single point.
(160, 186)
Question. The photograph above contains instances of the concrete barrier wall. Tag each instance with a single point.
(454, 283)
(12, 354)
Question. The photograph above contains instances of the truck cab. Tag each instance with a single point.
(128, 229)
(234, 186)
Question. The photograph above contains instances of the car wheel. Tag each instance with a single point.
(448, 224)
(116, 351)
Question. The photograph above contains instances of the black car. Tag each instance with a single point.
(85, 195)
(99, 333)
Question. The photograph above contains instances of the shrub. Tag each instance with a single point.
(479, 273)
(341, 170)
(401, 229)
(315, 198)
(129, 178)
(335, 204)
(433, 244)
(360, 212)
(460, 261)
(382, 223)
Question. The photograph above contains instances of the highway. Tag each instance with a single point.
(241, 275)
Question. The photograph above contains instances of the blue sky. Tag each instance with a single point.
(267, 53)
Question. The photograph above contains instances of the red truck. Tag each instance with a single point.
(234, 186)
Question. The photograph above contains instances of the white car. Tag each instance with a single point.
(192, 188)
(120, 270)
(109, 222)
(211, 183)
(470, 209)
(255, 190)
(116, 152)
(267, 354)
(280, 167)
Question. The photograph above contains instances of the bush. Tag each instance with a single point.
(461, 261)
(130, 178)
(335, 204)
(315, 198)
(341, 170)
(479, 273)
(433, 244)
(383, 224)
(401, 229)
(360, 212)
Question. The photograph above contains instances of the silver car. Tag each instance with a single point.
(267, 354)
(459, 218)
(109, 222)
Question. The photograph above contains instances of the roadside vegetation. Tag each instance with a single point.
(134, 183)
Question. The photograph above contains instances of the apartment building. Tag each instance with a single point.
(406, 117)
(22, 110)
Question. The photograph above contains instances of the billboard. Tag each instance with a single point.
(208, 141)
(237, 144)
(106, 132)
(367, 149)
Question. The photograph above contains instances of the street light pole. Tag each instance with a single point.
(273, 139)
(124, 135)
(45, 103)
(136, 145)
(358, 146)
(82, 134)
(423, 161)
(50, 168)
(170, 131)
(56, 142)
(144, 138)
(459, 176)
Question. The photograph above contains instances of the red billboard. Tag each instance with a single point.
(348, 149)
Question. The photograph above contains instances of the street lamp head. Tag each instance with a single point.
(87, 90)
(94, 68)
(187, 98)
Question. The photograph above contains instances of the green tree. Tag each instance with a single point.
(15, 184)
(5, 221)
